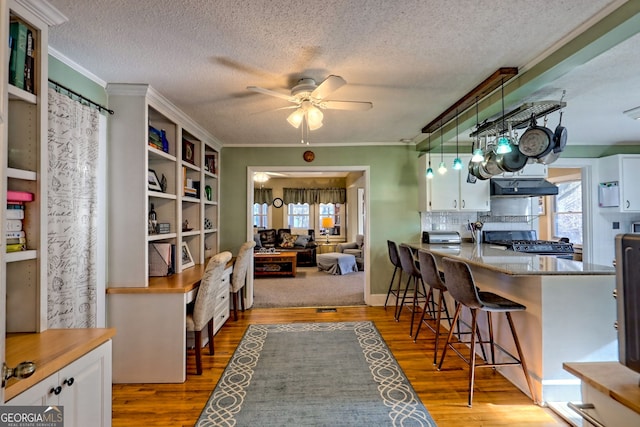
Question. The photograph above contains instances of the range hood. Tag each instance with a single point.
(522, 187)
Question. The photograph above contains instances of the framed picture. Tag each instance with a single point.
(187, 259)
(154, 182)
(188, 151)
(541, 205)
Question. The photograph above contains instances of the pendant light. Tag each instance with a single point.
(478, 154)
(503, 146)
(457, 163)
(429, 170)
(442, 168)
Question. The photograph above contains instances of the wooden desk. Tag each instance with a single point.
(150, 344)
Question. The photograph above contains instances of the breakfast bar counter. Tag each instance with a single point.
(570, 312)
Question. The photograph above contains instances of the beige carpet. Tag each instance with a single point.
(310, 288)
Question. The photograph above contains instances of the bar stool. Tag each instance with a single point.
(462, 288)
(412, 271)
(431, 277)
(397, 268)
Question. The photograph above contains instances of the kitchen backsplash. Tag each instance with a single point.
(458, 221)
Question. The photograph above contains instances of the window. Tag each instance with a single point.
(567, 211)
(261, 215)
(335, 213)
(298, 215)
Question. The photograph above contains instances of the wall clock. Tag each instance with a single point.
(277, 202)
(308, 156)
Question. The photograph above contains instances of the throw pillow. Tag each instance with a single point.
(288, 240)
(302, 240)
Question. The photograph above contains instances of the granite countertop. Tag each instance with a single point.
(514, 263)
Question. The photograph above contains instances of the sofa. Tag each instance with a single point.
(282, 239)
(354, 248)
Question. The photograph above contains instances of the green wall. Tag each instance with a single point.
(66, 76)
(393, 194)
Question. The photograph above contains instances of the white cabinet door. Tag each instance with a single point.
(451, 191)
(85, 397)
(83, 388)
(474, 197)
(630, 179)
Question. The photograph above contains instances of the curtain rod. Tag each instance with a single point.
(71, 92)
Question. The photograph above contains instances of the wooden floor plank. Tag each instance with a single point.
(496, 401)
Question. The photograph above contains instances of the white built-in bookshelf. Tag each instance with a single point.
(184, 213)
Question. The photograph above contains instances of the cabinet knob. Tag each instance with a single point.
(628, 204)
(455, 204)
(69, 382)
(56, 390)
(463, 204)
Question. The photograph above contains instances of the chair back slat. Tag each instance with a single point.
(407, 261)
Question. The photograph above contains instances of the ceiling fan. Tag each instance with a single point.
(310, 99)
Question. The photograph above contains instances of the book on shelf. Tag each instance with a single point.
(16, 247)
(14, 214)
(18, 31)
(14, 234)
(15, 205)
(29, 64)
(19, 196)
(17, 241)
(13, 225)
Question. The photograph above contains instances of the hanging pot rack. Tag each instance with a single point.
(518, 118)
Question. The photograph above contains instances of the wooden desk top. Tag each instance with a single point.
(180, 283)
(610, 378)
(51, 350)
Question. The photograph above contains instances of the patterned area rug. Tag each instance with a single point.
(314, 374)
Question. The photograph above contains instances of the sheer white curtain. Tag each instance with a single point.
(73, 148)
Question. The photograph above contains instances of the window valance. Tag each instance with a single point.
(314, 196)
(262, 195)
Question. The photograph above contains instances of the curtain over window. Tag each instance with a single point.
(313, 196)
(72, 213)
(262, 195)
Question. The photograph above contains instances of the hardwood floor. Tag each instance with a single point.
(496, 401)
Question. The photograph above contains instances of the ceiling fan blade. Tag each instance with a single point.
(271, 93)
(346, 105)
(329, 85)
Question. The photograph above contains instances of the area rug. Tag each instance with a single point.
(310, 288)
(313, 374)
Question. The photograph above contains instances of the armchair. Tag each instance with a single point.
(354, 248)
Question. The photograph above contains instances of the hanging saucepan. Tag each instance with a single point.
(475, 168)
(560, 137)
(512, 161)
(536, 141)
(490, 164)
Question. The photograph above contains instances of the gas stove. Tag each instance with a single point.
(525, 241)
(538, 246)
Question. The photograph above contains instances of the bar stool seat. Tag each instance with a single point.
(462, 288)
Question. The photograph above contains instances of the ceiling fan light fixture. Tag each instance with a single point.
(295, 118)
(314, 117)
(260, 177)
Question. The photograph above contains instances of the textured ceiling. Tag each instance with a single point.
(412, 59)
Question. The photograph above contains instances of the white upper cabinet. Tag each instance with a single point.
(619, 178)
(451, 191)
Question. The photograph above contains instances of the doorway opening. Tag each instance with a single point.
(357, 185)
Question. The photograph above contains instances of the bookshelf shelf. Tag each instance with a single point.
(17, 94)
(160, 195)
(21, 256)
(25, 175)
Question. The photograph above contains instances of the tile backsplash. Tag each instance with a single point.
(458, 221)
